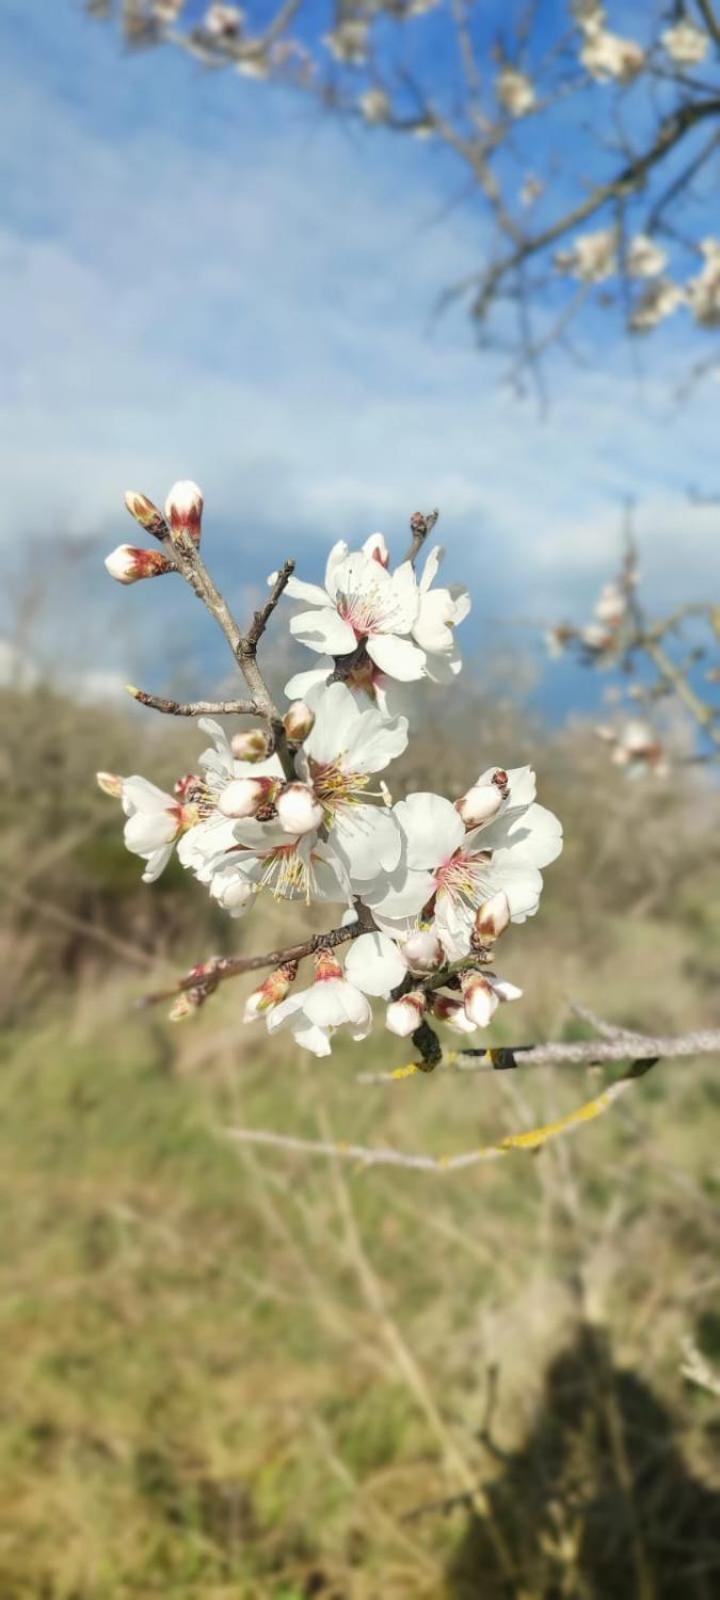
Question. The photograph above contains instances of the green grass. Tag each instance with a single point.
(231, 1373)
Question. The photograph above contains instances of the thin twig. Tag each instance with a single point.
(193, 708)
(234, 966)
(420, 526)
(646, 1052)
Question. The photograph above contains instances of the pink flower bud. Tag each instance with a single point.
(326, 965)
(405, 1015)
(251, 746)
(481, 1001)
(298, 809)
(452, 1013)
(271, 992)
(128, 563)
(422, 951)
(110, 784)
(184, 509)
(492, 918)
(244, 796)
(146, 514)
(376, 548)
(480, 804)
(298, 721)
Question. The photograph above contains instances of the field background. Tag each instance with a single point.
(237, 1373)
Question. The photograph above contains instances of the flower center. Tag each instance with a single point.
(285, 873)
(371, 609)
(335, 786)
(466, 877)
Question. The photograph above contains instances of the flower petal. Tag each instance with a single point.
(366, 838)
(140, 795)
(398, 657)
(430, 569)
(323, 630)
(298, 686)
(337, 556)
(157, 863)
(432, 828)
(374, 964)
(297, 589)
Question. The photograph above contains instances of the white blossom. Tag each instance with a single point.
(331, 1002)
(374, 964)
(686, 43)
(223, 21)
(375, 105)
(405, 625)
(645, 258)
(611, 605)
(606, 56)
(703, 292)
(592, 257)
(638, 749)
(155, 822)
(348, 42)
(456, 871)
(515, 91)
(345, 747)
(658, 301)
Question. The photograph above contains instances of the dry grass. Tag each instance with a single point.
(240, 1375)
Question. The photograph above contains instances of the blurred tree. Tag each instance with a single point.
(593, 156)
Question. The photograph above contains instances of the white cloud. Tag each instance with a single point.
(198, 289)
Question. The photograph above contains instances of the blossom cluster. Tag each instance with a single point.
(296, 807)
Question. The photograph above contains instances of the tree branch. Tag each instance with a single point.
(193, 708)
(234, 966)
(649, 1049)
(243, 645)
(672, 129)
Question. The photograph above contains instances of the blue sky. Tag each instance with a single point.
(202, 277)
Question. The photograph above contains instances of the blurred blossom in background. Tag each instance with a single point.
(234, 1371)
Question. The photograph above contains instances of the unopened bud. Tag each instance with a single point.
(482, 993)
(326, 965)
(492, 918)
(127, 563)
(452, 1013)
(243, 797)
(183, 1007)
(405, 1015)
(481, 1001)
(271, 992)
(298, 810)
(298, 721)
(480, 804)
(232, 892)
(251, 746)
(184, 509)
(110, 783)
(223, 21)
(376, 548)
(147, 514)
(422, 951)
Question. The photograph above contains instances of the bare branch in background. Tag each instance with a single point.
(631, 110)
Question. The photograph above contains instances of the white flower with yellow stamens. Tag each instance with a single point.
(405, 626)
(345, 747)
(331, 1002)
(448, 872)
